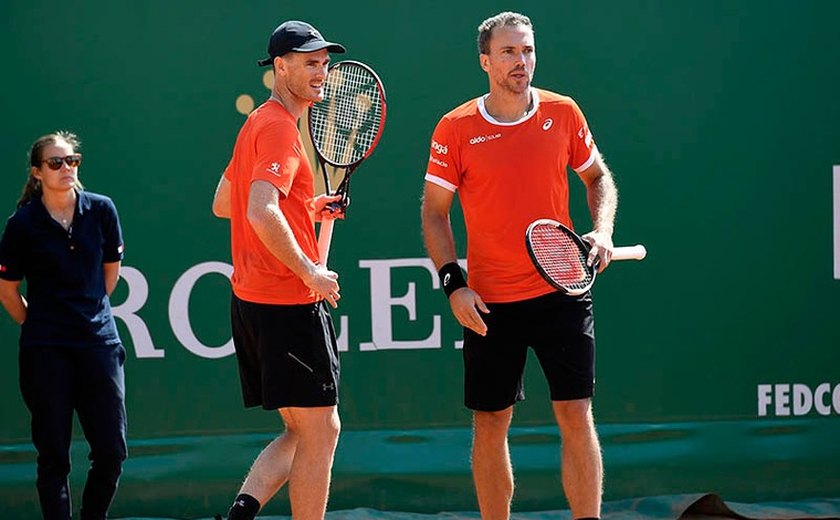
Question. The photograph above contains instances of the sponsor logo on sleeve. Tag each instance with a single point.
(435, 160)
(274, 168)
(440, 149)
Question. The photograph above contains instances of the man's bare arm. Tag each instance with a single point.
(271, 226)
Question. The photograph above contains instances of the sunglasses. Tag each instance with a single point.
(71, 160)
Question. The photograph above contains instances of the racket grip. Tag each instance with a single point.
(324, 240)
(637, 252)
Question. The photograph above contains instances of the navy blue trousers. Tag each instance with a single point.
(55, 382)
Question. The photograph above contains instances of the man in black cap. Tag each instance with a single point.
(282, 331)
(298, 37)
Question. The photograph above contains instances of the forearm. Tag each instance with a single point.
(602, 196)
(14, 303)
(221, 199)
(438, 238)
(274, 231)
(112, 276)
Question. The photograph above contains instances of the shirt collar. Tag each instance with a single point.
(83, 204)
(535, 97)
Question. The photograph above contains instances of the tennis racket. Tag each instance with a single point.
(560, 256)
(345, 128)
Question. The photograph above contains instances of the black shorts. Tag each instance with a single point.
(287, 354)
(560, 329)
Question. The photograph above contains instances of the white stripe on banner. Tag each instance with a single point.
(837, 222)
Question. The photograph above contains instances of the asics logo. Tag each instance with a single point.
(547, 124)
(446, 279)
(484, 138)
(440, 148)
(586, 135)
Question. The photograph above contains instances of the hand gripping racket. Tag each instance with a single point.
(560, 256)
(345, 127)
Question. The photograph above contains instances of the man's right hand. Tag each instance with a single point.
(465, 305)
(325, 283)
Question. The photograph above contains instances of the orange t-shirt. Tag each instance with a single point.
(507, 175)
(269, 148)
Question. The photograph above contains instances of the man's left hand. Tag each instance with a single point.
(601, 248)
(324, 210)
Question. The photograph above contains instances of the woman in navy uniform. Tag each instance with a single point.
(67, 244)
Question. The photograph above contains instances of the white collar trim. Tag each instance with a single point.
(528, 115)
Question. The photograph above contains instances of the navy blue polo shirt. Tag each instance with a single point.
(65, 281)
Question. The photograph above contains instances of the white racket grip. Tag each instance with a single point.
(637, 252)
(324, 240)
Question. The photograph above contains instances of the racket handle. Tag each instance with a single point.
(637, 252)
(324, 240)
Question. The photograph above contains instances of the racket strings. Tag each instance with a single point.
(345, 124)
(560, 257)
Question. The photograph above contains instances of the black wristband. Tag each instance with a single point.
(451, 278)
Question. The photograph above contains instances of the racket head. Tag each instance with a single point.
(346, 125)
(560, 256)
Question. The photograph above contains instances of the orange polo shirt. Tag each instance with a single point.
(507, 175)
(269, 148)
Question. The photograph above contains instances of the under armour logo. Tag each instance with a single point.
(328, 386)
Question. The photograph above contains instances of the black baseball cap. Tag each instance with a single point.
(299, 37)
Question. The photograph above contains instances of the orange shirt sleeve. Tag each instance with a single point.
(277, 156)
(583, 150)
(444, 167)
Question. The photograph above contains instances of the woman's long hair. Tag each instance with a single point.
(32, 188)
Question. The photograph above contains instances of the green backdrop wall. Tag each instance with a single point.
(718, 355)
